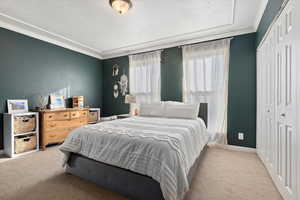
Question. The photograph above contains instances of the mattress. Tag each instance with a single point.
(161, 148)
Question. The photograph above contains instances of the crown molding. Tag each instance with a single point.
(22, 27)
(172, 42)
(260, 13)
(211, 33)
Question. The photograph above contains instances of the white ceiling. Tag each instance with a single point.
(93, 28)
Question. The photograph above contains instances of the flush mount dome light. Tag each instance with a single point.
(121, 6)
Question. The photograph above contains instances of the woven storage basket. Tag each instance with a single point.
(25, 144)
(24, 124)
(93, 116)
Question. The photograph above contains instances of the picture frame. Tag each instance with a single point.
(17, 106)
(57, 101)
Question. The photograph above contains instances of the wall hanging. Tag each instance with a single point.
(115, 70)
(123, 84)
(116, 90)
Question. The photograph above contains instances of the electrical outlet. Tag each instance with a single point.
(241, 136)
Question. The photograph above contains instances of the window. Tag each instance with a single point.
(144, 72)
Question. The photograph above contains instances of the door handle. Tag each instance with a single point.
(283, 115)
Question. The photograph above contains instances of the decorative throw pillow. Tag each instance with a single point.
(184, 111)
(152, 110)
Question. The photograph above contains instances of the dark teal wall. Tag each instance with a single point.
(271, 11)
(113, 105)
(30, 67)
(171, 74)
(242, 93)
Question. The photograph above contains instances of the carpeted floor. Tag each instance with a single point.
(222, 175)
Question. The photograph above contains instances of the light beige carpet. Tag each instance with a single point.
(222, 175)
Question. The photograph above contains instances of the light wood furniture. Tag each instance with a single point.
(55, 125)
(21, 133)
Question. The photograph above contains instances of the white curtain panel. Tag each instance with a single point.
(205, 80)
(144, 77)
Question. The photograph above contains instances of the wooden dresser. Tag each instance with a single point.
(55, 125)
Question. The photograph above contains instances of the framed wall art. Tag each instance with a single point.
(17, 106)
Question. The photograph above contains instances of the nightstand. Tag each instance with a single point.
(123, 116)
(114, 117)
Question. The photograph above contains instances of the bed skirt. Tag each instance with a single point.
(133, 185)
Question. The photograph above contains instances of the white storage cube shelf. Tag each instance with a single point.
(9, 136)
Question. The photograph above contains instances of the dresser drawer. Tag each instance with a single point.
(57, 116)
(52, 125)
(83, 113)
(58, 135)
(75, 114)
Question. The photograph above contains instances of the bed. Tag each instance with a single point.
(143, 158)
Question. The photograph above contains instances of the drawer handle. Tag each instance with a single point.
(73, 115)
(25, 120)
(52, 125)
(26, 140)
(50, 116)
(65, 115)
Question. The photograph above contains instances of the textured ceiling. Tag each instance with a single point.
(93, 25)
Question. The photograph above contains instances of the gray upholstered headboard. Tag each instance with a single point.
(203, 112)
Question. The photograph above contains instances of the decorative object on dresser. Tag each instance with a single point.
(94, 115)
(17, 106)
(55, 125)
(21, 133)
(78, 101)
(57, 101)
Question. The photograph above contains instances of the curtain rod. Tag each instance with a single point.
(180, 46)
(160, 50)
(230, 38)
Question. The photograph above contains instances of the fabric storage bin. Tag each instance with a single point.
(24, 144)
(93, 116)
(24, 124)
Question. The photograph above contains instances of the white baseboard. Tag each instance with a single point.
(236, 148)
(276, 179)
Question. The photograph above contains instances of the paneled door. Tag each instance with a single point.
(285, 78)
(278, 90)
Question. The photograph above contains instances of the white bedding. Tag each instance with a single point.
(162, 148)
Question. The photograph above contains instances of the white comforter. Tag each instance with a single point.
(164, 149)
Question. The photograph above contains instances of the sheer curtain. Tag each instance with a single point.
(144, 77)
(205, 80)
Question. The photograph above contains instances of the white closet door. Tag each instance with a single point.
(277, 129)
(286, 102)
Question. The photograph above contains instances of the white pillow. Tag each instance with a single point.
(152, 110)
(185, 111)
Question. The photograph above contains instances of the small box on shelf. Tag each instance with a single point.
(94, 115)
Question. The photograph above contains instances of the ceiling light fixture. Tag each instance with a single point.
(121, 6)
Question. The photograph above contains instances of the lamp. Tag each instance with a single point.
(131, 99)
(121, 6)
